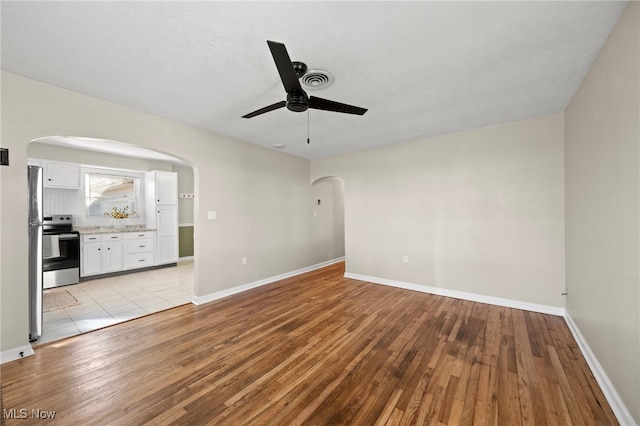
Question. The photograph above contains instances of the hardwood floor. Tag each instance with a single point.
(314, 349)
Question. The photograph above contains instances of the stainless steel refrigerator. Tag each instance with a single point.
(35, 251)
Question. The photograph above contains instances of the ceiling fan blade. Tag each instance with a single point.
(275, 106)
(285, 68)
(327, 105)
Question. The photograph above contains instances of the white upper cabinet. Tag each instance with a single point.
(61, 175)
(164, 187)
(58, 174)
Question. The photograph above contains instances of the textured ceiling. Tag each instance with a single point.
(422, 68)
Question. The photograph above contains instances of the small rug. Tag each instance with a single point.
(58, 298)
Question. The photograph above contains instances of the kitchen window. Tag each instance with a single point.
(106, 192)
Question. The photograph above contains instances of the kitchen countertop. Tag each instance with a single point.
(111, 229)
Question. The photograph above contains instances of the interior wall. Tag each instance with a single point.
(93, 158)
(261, 196)
(480, 211)
(327, 224)
(602, 172)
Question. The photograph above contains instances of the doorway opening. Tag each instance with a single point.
(104, 299)
(328, 219)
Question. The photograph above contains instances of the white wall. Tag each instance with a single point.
(261, 196)
(479, 211)
(602, 172)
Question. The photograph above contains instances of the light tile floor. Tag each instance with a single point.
(107, 301)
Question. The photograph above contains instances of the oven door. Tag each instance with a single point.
(61, 250)
(61, 258)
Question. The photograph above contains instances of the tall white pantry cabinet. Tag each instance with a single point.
(161, 194)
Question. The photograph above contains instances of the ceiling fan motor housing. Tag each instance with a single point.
(297, 101)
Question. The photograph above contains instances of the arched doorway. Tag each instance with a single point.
(328, 219)
(102, 300)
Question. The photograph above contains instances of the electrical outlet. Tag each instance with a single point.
(405, 259)
(244, 260)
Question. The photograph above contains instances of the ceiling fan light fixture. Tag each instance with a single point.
(317, 79)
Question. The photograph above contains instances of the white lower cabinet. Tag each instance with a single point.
(106, 253)
(112, 256)
(101, 254)
(139, 250)
(91, 259)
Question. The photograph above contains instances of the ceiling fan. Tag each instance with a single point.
(297, 99)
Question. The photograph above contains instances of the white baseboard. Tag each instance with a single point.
(619, 409)
(544, 309)
(185, 258)
(199, 300)
(16, 353)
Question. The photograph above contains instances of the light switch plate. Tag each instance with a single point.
(212, 214)
(4, 156)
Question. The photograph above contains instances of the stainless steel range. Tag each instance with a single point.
(60, 251)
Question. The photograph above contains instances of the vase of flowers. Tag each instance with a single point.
(120, 216)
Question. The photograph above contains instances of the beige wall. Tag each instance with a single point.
(261, 196)
(602, 173)
(479, 212)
